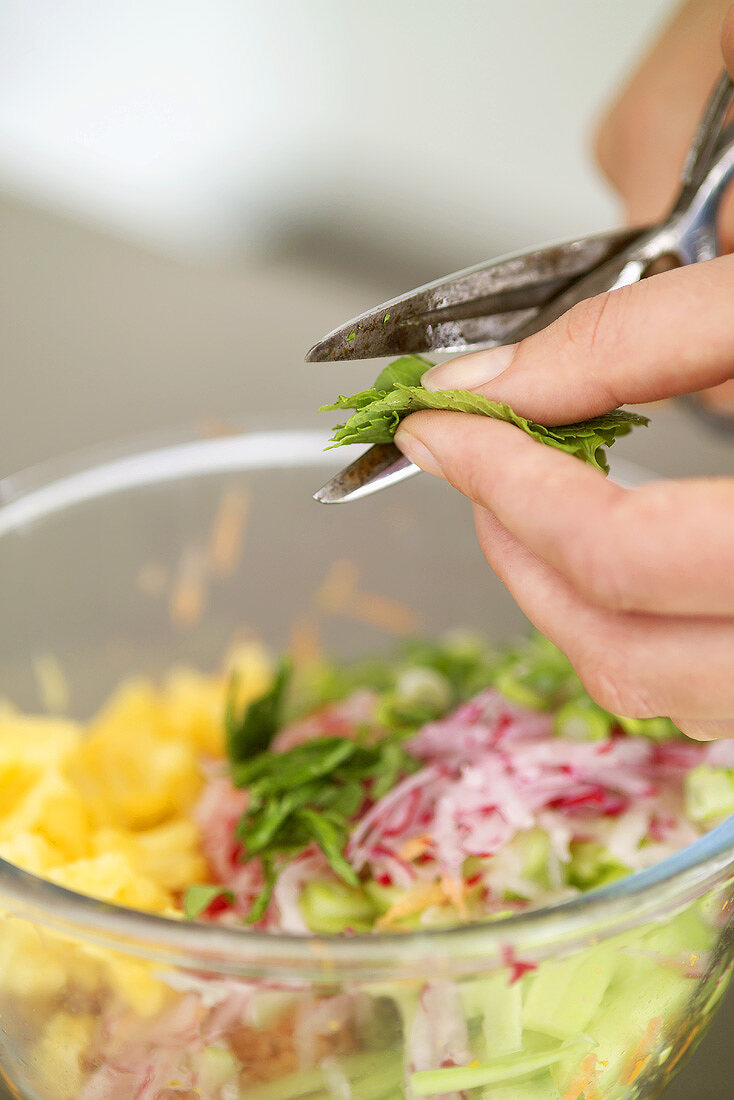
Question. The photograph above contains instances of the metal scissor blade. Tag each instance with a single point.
(479, 306)
(380, 466)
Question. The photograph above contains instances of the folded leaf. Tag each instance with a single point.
(252, 731)
(397, 393)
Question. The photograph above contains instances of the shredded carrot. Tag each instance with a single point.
(213, 427)
(423, 897)
(187, 600)
(455, 891)
(643, 1051)
(321, 952)
(415, 902)
(415, 846)
(685, 1046)
(339, 595)
(305, 645)
(380, 611)
(227, 534)
(584, 1085)
(335, 592)
(52, 684)
(152, 578)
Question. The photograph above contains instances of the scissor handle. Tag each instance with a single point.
(705, 141)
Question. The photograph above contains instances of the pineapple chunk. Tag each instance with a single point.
(130, 771)
(57, 1055)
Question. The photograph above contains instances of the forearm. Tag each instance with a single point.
(642, 140)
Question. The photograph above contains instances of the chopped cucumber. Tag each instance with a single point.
(541, 1087)
(583, 720)
(420, 695)
(498, 1006)
(383, 897)
(537, 676)
(593, 866)
(268, 1005)
(682, 936)
(626, 1025)
(333, 906)
(709, 793)
(535, 848)
(371, 1075)
(498, 1071)
(564, 995)
(218, 1065)
(656, 729)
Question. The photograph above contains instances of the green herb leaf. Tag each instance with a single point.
(397, 393)
(199, 897)
(260, 826)
(537, 675)
(258, 907)
(331, 836)
(302, 764)
(393, 764)
(253, 731)
(310, 795)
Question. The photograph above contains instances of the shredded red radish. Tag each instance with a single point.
(491, 772)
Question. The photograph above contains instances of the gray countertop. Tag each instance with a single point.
(100, 339)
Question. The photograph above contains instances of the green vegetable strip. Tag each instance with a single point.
(371, 1075)
(496, 1072)
(398, 392)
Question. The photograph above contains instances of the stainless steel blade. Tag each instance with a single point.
(380, 466)
(476, 307)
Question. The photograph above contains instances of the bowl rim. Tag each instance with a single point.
(35, 494)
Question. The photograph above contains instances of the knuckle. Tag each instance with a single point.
(589, 326)
(471, 480)
(616, 686)
(599, 571)
(608, 570)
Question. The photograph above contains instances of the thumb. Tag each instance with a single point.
(668, 335)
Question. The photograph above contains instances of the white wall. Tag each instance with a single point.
(196, 124)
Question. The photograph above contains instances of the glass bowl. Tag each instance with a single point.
(102, 574)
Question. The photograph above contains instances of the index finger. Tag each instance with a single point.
(668, 335)
(664, 548)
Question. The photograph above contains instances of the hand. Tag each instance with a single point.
(643, 139)
(636, 586)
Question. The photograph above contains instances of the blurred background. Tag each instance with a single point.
(192, 193)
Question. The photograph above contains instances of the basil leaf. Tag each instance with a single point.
(199, 897)
(253, 731)
(379, 410)
(262, 901)
(331, 839)
(270, 773)
(394, 763)
(259, 828)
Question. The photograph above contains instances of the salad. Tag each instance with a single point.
(448, 784)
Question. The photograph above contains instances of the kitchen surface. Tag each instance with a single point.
(183, 284)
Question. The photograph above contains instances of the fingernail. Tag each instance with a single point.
(417, 452)
(468, 372)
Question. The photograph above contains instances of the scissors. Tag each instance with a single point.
(502, 301)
